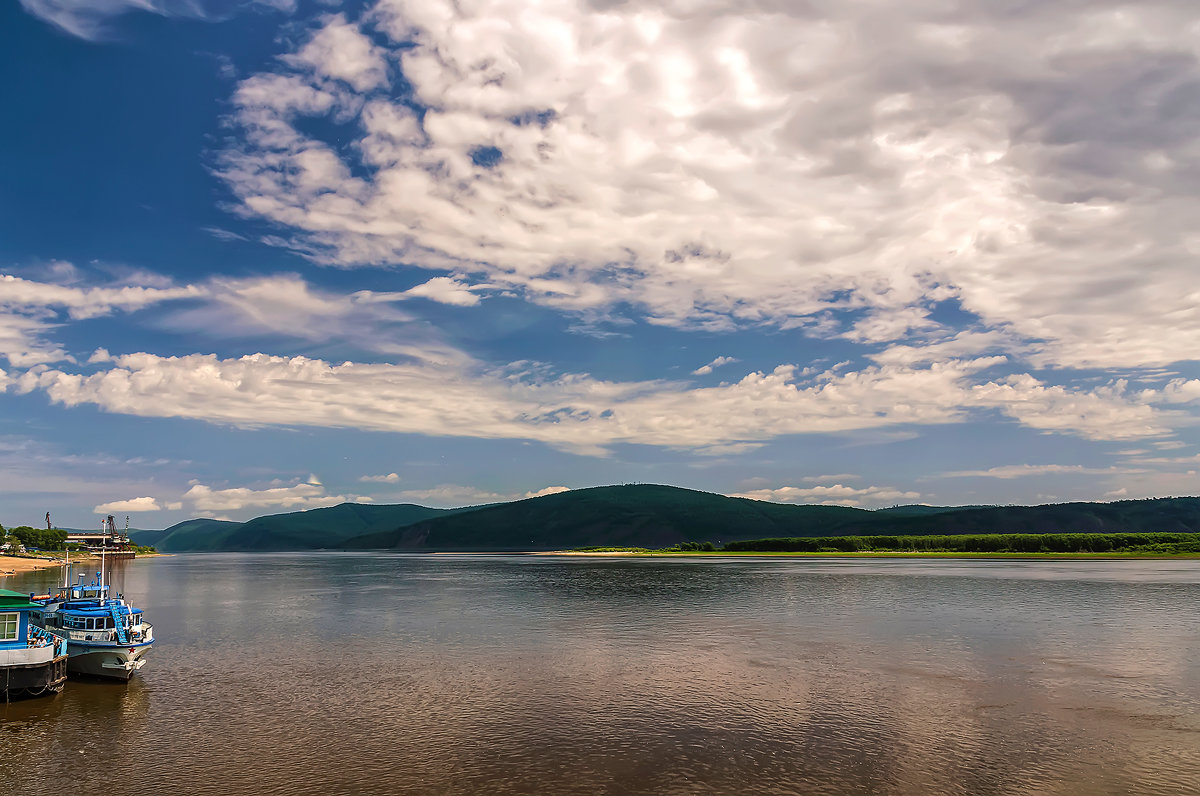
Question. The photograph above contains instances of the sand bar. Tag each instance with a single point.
(13, 565)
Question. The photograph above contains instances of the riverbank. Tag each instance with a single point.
(13, 565)
(862, 554)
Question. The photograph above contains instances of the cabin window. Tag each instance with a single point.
(9, 627)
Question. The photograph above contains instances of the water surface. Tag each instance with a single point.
(353, 673)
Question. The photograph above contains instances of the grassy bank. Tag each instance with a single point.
(993, 543)
(1014, 545)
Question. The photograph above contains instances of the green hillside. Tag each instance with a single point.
(199, 534)
(299, 530)
(633, 515)
(1179, 515)
(662, 516)
(643, 515)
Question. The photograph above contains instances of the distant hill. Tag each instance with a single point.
(661, 516)
(1176, 514)
(640, 515)
(646, 515)
(187, 535)
(313, 529)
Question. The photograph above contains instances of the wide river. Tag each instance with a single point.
(396, 674)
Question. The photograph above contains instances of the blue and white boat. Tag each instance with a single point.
(106, 636)
(32, 661)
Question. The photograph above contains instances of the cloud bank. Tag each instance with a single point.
(849, 169)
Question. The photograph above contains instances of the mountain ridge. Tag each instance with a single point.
(644, 515)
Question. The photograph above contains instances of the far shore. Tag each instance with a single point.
(16, 565)
(859, 554)
(12, 565)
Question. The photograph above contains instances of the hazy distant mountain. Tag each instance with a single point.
(644, 515)
(299, 530)
(191, 534)
(1175, 514)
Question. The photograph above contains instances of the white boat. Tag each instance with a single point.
(106, 636)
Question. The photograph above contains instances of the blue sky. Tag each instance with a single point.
(264, 256)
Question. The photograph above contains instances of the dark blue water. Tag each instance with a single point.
(348, 673)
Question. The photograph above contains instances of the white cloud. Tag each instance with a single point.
(455, 495)
(704, 370)
(30, 309)
(549, 490)
(339, 50)
(299, 496)
(1010, 471)
(131, 505)
(833, 495)
(446, 290)
(390, 478)
(458, 397)
(21, 341)
(843, 170)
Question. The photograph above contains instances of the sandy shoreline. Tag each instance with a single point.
(17, 565)
(1114, 556)
(13, 565)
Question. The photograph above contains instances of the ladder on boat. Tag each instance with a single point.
(119, 624)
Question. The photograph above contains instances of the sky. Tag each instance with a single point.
(263, 256)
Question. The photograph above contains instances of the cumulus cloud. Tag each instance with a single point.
(299, 496)
(549, 490)
(339, 50)
(833, 495)
(390, 478)
(455, 495)
(129, 506)
(848, 169)
(580, 413)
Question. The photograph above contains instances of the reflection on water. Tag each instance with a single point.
(347, 673)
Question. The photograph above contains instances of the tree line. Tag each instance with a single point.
(35, 538)
(1166, 543)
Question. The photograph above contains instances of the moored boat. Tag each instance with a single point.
(32, 661)
(105, 636)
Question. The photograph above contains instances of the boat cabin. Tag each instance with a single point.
(14, 619)
(32, 661)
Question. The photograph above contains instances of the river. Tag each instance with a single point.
(332, 673)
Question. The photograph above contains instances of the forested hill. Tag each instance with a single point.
(646, 516)
(635, 515)
(660, 516)
(314, 529)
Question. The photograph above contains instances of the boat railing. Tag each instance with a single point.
(137, 634)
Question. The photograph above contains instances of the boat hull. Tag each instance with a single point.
(114, 662)
(34, 679)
